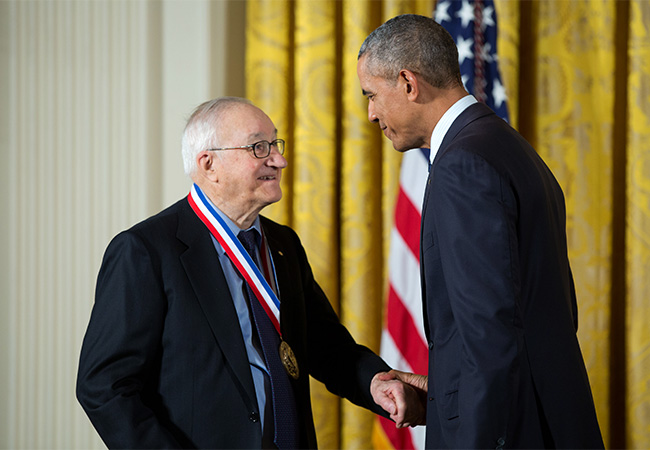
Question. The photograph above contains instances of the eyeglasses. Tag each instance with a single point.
(261, 149)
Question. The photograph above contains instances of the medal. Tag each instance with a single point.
(249, 271)
(289, 360)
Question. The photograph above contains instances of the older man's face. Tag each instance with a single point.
(247, 184)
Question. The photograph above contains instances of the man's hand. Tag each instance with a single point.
(402, 395)
(418, 382)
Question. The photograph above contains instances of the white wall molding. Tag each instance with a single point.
(94, 95)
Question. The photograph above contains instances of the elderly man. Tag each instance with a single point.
(500, 310)
(207, 320)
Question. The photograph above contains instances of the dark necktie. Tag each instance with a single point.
(284, 404)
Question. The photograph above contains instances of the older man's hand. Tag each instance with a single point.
(402, 395)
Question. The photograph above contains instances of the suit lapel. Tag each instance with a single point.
(427, 190)
(203, 269)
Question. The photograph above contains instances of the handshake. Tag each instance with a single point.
(402, 395)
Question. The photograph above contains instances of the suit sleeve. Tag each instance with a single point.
(116, 367)
(475, 219)
(334, 357)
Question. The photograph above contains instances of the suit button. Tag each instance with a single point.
(430, 345)
(500, 443)
(430, 399)
(254, 417)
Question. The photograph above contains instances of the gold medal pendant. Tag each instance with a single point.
(289, 360)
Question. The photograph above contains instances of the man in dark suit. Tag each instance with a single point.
(198, 340)
(505, 366)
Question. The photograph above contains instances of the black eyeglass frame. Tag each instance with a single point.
(277, 143)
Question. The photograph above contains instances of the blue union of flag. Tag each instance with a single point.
(473, 25)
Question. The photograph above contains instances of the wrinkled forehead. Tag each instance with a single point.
(247, 123)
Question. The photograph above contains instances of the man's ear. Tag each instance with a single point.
(206, 165)
(409, 82)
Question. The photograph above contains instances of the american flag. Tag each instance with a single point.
(473, 25)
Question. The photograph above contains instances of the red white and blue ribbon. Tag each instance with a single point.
(238, 255)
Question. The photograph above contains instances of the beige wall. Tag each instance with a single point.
(93, 98)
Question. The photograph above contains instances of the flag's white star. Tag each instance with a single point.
(464, 49)
(488, 20)
(466, 13)
(498, 93)
(442, 12)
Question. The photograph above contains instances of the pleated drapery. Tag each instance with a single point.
(577, 74)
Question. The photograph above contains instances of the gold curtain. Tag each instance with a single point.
(566, 110)
(578, 80)
(637, 226)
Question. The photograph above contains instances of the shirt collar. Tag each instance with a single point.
(443, 125)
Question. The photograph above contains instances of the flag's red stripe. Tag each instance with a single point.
(399, 437)
(405, 334)
(407, 222)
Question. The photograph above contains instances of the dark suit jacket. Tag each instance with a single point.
(505, 366)
(163, 363)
